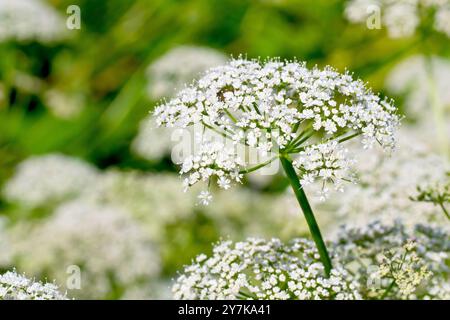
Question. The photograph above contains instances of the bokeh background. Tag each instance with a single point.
(86, 180)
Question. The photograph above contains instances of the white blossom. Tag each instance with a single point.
(327, 161)
(274, 106)
(260, 269)
(25, 20)
(213, 159)
(385, 187)
(395, 262)
(205, 197)
(110, 248)
(14, 286)
(49, 178)
(403, 267)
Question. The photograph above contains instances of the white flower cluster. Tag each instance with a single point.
(14, 286)
(49, 178)
(392, 262)
(438, 290)
(109, 247)
(24, 20)
(259, 269)
(403, 267)
(401, 17)
(327, 161)
(414, 78)
(212, 159)
(385, 187)
(179, 66)
(281, 105)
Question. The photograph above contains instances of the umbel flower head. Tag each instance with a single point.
(277, 106)
(260, 269)
(25, 20)
(50, 178)
(110, 247)
(392, 262)
(14, 286)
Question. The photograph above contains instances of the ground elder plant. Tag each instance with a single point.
(284, 111)
(260, 269)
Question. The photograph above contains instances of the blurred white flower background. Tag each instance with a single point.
(94, 173)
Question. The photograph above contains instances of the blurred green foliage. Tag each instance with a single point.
(104, 63)
(102, 67)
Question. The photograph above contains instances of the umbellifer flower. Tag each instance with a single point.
(392, 262)
(25, 20)
(260, 269)
(111, 249)
(278, 108)
(50, 178)
(14, 286)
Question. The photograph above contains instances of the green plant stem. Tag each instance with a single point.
(258, 166)
(388, 290)
(308, 213)
(445, 210)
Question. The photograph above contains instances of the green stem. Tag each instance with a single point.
(445, 210)
(388, 290)
(308, 213)
(244, 171)
(349, 137)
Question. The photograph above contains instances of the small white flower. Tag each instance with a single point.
(205, 197)
(224, 183)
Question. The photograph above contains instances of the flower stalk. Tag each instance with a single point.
(308, 213)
